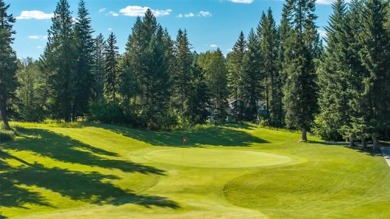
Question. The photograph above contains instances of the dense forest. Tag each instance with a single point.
(279, 75)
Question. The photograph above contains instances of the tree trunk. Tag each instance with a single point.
(304, 135)
(374, 143)
(364, 143)
(4, 117)
(350, 141)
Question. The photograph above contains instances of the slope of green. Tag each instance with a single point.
(106, 171)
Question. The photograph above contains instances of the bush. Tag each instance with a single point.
(6, 135)
(106, 113)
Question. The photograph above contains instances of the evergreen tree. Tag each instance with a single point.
(145, 73)
(31, 91)
(82, 78)
(8, 66)
(235, 76)
(356, 128)
(182, 77)
(216, 76)
(111, 70)
(157, 109)
(334, 76)
(98, 67)
(375, 56)
(300, 101)
(132, 68)
(252, 77)
(60, 60)
(267, 32)
(199, 98)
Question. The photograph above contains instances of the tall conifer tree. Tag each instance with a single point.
(111, 83)
(8, 82)
(300, 99)
(83, 79)
(235, 76)
(252, 77)
(60, 59)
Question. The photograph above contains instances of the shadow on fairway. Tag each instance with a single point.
(90, 187)
(11, 195)
(87, 187)
(215, 136)
(66, 149)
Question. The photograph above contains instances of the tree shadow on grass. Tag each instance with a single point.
(87, 187)
(65, 149)
(215, 136)
(90, 187)
(12, 195)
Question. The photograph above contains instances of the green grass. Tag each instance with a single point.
(107, 171)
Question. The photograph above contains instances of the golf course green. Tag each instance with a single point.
(107, 171)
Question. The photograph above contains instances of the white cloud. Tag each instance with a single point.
(39, 47)
(37, 37)
(34, 14)
(102, 10)
(214, 46)
(191, 14)
(242, 1)
(109, 29)
(205, 14)
(135, 11)
(113, 14)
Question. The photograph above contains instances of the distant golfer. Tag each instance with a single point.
(184, 139)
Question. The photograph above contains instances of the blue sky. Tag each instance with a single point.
(210, 24)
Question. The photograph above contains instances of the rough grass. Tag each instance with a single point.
(106, 171)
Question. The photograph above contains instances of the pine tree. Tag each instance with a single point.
(145, 71)
(8, 82)
(111, 70)
(235, 76)
(214, 65)
(252, 77)
(199, 100)
(60, 60)
(31, 91)
(356, 128)
(132, 68)
(158, 108)
(375, 56)
(98, 67)
(267, 32)
(182, 77)
(300, 100)
(333, 76)
(82, 78)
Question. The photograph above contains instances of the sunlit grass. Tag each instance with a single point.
(107, 171)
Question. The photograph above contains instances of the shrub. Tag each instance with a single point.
(106, 113)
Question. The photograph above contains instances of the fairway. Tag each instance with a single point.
(108, 171)
(216, 158)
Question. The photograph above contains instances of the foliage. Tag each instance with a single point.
(8, 81)
(106, 113)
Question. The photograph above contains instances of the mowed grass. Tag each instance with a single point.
(107, 171)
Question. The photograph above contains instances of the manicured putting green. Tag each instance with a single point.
(215, 158)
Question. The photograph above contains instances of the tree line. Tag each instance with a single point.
(281, 75)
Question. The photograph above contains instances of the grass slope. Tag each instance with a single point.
(106, 171)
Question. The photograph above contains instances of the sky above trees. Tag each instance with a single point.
(210, 24)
